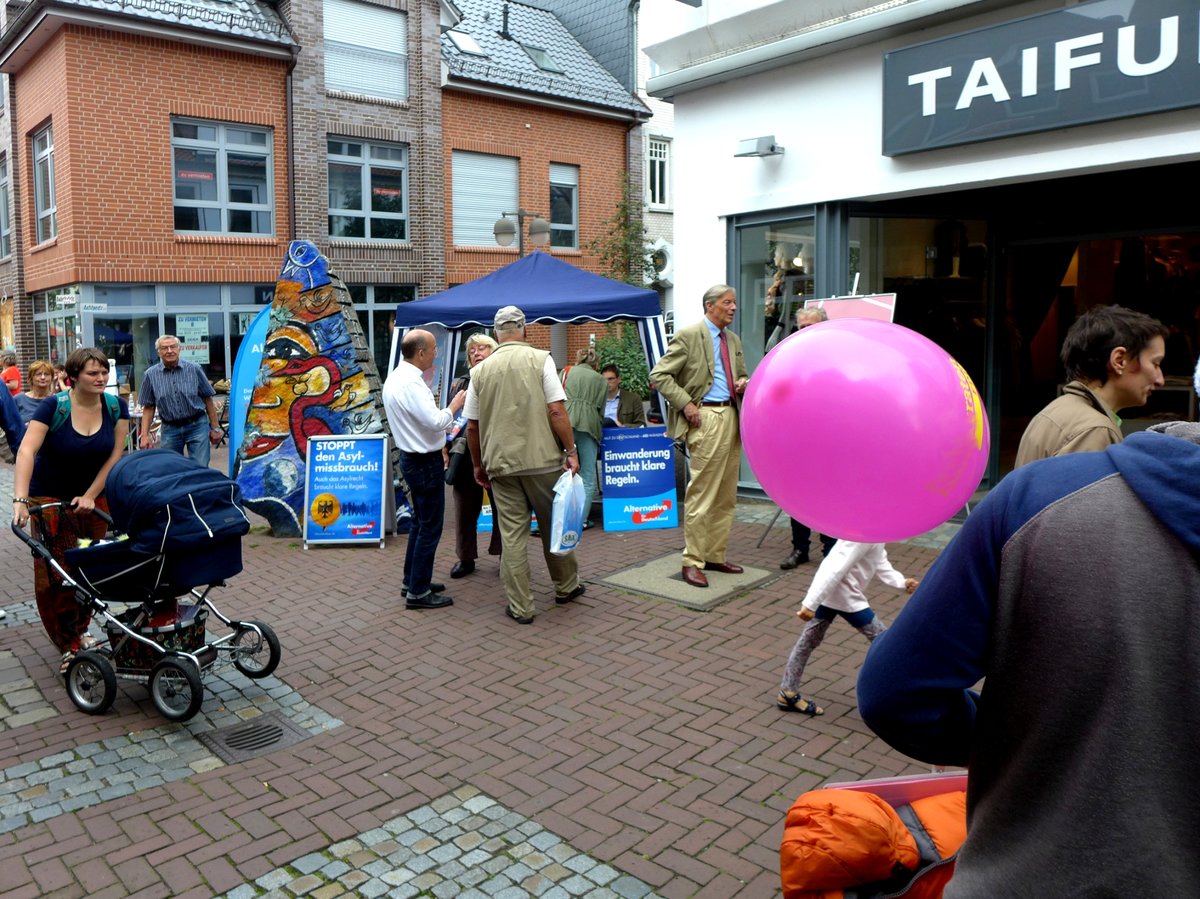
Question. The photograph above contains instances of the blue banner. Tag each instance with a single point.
(639, 480)
(245, 375)
(345, 479)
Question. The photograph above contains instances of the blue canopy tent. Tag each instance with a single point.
(547, 290)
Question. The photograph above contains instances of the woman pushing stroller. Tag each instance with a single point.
(69, 447)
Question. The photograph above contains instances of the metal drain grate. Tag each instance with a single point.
(264, 734)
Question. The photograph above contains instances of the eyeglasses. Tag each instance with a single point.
(169, 349)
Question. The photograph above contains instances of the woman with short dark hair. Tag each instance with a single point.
(67, 459)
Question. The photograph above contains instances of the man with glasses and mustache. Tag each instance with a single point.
(178, 389)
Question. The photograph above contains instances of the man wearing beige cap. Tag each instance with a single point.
(521, 441)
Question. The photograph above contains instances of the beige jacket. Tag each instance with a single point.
(1076, 422)
(685, 371)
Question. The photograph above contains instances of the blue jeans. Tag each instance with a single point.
(425, 476)
(589, 449)
(193, 436)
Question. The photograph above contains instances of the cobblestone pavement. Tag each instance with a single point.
(621, 746)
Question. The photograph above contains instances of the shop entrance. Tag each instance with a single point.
(1034, 256)
(1050, 284)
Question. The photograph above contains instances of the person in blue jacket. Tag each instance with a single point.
(10, 422)
(12, 426)
(1072, 593)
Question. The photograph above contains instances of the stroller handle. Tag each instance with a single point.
(36, 545)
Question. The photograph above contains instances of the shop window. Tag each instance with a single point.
(375, 306)
(201, 340)
(5, 221)
(223, 178)
(251, 294)
(125, 295)
(193, 295)
(777, 278)
(483, 187)
(368, 190)
(366, 50)
(564, 206)
(658, 173)
(43, 184)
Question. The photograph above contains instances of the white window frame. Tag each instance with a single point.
(366, 50)
(5, 220)
(372, 155)
(222, 146)
(45, 199)
(565, 235)
(483, 186)
(658, 162)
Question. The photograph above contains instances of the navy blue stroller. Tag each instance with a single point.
(175, 535)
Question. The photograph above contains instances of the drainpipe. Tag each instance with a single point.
(291, 133)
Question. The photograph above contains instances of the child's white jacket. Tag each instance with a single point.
(844, 574)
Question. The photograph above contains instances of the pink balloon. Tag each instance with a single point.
(865, 430)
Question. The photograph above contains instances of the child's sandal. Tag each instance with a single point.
(794, 702)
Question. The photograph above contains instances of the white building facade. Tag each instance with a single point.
(999, 167)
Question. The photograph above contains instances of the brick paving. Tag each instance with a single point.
(620, 735)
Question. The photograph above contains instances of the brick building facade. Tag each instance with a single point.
(188, 143)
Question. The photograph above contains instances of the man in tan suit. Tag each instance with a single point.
(701, 376)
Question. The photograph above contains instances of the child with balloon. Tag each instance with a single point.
(837, 589)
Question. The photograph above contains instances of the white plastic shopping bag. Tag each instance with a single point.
(566, 522)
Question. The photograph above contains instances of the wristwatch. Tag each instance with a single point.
(570, 452)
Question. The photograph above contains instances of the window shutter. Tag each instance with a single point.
(366, 49)
(484, 186)
(564, 174)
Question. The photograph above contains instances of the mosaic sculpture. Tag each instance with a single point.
(317, 377)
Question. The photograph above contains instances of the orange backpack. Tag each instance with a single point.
(847, 844)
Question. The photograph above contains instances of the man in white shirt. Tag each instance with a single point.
(419, 429)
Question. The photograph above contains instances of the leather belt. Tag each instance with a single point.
(421, 455)
(716, 403)
(178, 423)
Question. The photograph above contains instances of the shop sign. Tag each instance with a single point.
(86, 306)
(1091, 62)
(65, 299)
(193, 337)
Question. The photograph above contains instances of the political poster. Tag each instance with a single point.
(638, 482)
(344, 483)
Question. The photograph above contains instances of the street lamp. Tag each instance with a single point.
(505, 230)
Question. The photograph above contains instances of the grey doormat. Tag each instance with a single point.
(662, 578)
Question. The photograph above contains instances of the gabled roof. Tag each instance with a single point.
(507, 67)
(212, 22)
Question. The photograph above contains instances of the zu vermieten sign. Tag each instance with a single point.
(1087, 63)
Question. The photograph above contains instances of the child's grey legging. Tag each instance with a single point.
(864, 621)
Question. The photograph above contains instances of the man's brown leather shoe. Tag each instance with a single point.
(694, 576)
(724, 567)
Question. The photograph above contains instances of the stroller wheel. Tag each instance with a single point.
(176, 689)
(255, 657)
(91, 683)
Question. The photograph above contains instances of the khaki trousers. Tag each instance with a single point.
(514, 496)
(714, 452)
